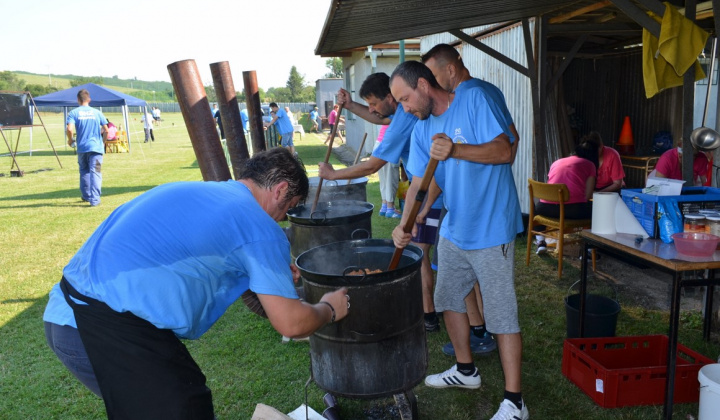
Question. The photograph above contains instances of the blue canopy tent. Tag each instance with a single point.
(99, 97)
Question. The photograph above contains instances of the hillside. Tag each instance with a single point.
(138, 88)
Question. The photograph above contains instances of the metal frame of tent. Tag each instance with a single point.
(13, 153)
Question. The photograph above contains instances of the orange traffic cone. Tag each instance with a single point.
(625, 144)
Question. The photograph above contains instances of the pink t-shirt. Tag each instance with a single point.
(381, 133)
(112, 132)
(574, 172)
(332, 117)
(669, 165)
(610, 170)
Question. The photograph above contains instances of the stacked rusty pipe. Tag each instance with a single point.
(252, 100)
(199, 121)
(230, 116)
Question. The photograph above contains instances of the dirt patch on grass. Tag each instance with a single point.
(643, 286)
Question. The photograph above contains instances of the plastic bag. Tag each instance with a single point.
(669, 220)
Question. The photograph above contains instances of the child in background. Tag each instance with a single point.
(402, 188)
(389, 179)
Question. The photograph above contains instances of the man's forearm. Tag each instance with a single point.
(365, 168)
(363, 112)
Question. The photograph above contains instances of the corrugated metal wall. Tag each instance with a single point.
(601, 92)
(514, 85)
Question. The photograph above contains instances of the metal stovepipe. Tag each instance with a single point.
(252, 100)
(230, 113)
(198, 118)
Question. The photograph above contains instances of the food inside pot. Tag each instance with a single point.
(363, 271)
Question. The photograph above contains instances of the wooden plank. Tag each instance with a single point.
(581, 11)
(265, 412)
(639, 16)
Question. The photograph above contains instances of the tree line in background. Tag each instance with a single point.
(295, 89)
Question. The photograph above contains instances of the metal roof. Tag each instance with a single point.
(609, 25)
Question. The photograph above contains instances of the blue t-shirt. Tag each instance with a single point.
(88, 124)
(245, 120)
(313, 115)
(179, 255)
(482, 203)
(283, 122)
(396, 143)
(496, 101)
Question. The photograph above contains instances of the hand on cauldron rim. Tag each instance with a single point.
(340, 301)
(295, 273)
(400, 238)
(442, 147)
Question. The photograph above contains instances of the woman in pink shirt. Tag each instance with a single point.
(579, 173)
(610, 172)
(670, 166)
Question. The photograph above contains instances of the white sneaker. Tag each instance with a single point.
(541, 248)
(508, 411)
(453, 378)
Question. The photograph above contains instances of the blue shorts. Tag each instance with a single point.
(427, 232)
(287, 139)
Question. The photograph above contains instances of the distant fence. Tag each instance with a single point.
(175, 107)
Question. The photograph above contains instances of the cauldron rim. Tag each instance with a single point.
(364, 208)
(339, 280)
(315, 181)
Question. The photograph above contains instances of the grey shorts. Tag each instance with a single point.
(287, 139)
(493, 269)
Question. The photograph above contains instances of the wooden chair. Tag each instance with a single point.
(119, 144)
(555, 228)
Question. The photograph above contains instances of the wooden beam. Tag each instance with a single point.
(580, 11)
(654, 6)
(489, 51)
(568, 59)
(639, 16)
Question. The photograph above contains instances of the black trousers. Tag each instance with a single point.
(144, 373)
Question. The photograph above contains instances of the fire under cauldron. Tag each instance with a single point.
(331, 221)
(380, 348)
(335, 190)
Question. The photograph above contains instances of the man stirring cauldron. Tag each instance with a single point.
(189, 250)
(477, 236)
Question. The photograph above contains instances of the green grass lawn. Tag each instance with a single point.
(43, 222)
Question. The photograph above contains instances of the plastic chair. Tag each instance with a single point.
(119, 144)
(555, 228)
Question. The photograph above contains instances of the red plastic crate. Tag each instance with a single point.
(626, 371)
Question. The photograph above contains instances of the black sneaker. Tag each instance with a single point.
(432, 325)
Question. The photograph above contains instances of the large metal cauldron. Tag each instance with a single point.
(379, 349)
(332, 221)
(341, 189)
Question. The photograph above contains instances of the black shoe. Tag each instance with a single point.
(432, 325)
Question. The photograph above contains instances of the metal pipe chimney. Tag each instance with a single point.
(252, 99)
(230, 113)
(200, 124)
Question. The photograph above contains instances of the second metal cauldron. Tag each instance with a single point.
(330, 222)
(342, 189)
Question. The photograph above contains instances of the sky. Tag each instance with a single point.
(133, 38)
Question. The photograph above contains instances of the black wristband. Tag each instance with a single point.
(331, 308)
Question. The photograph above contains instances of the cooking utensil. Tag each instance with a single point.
(415, 209)
(705, 138)
(357, 155)
(327, 154)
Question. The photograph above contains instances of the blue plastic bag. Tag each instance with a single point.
(669, 220)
